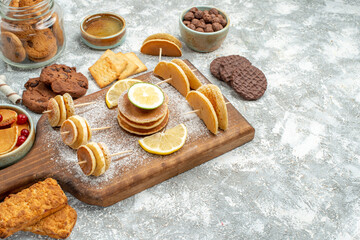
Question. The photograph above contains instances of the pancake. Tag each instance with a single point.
(199, 101)
(138, 131)
(138, 115)
(213, 93)
(148, 125)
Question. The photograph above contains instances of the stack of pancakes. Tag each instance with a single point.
(140, 121)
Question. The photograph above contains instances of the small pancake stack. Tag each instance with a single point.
(140, 121)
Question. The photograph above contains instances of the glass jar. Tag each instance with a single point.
(32, 33)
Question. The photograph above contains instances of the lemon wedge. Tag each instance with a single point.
(114, 92)
(165, 143)
(146, 95)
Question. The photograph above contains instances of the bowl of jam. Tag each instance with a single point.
(103, 30)
(17, 134)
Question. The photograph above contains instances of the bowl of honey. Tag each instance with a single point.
(103, 30)
(17, 134)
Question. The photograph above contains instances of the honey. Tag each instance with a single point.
(103, 25)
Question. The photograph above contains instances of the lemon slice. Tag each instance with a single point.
(165, 143)
(113, 94)
(146, 95)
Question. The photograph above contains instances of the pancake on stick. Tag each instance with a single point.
(210, 106)
(165, 43)
(213, 93)
(75, 131)
(61, 108)
(192, 78)
(206, 112)
(94, 158)
(174, 75)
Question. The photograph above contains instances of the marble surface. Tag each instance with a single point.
(300, 176)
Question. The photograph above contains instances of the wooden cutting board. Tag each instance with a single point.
(131, 173)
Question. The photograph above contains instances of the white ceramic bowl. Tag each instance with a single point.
(203, 41)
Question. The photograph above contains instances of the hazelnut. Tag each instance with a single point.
(193, 10)
(198, 14)
(213, 15)
(223, 22)
(213, 11)
(202, 23)
(186, 23)
(208, 28)
(199, 29)
(215, 20)
(189, 16)
(207, 18)
(217, 26)
(192, 26)
(196, 22)
(205, 12)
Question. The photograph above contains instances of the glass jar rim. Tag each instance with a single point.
(22, 12)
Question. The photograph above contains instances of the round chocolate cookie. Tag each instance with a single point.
(64, 79)
(231, 60)
(215, 67)
(250, 82)
(229, 64)
(36, 95)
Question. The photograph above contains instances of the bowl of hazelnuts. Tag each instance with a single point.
(204, 28)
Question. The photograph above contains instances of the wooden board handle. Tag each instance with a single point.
(36, 165)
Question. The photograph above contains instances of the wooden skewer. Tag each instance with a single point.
(160, 53)
(119, 153)
(164, 81)
(77, 105)
(92, 129)
(112, 155)
(195, 111)
(83, 104)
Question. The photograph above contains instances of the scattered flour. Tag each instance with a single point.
(117, 140)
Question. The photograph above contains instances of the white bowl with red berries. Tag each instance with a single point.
(17, 134)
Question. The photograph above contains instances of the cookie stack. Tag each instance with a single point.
(247, 80)
(42, 209)
(31, 33)
(54, 79)
(112, 66)
(140, 121)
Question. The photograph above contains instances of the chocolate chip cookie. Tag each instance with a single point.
(63, 79)
(36, 95)
(12, 47)
(41, 45)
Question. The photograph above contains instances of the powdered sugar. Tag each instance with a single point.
(118, 140)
